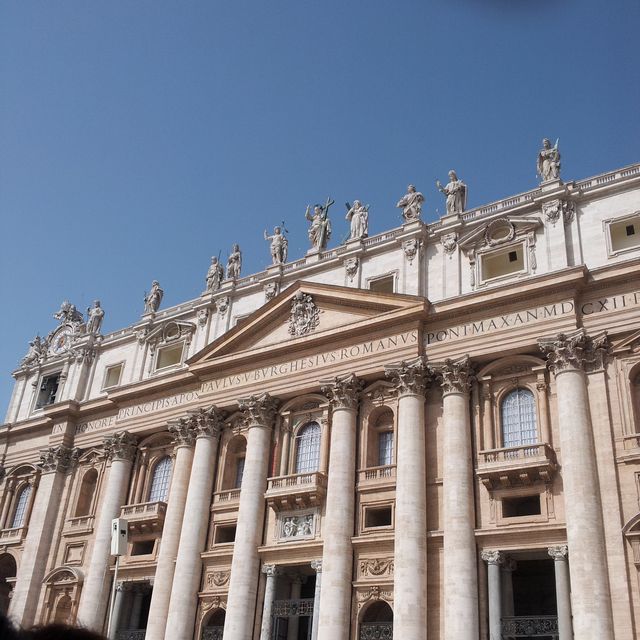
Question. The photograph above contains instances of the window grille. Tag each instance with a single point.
(385, 448)
(308, 448)
(239, 472)
(21, 507)
(519, 419)
(160, 481)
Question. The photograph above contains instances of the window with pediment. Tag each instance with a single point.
(308, 448)
(87, 492)
(159, 490)
(381, 439)
(518, 418)
(20, 509)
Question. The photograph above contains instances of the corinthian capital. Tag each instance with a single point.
(343, 391)
(576, 351)
(120, 446)
(258, 410)
(454, 376)
(493, 557)
(206, 422)
(409, 378)
(559, 553)
(182, 433)
(58, 458)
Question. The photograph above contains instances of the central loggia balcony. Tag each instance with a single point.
(146, 517)
(14, 535)
(516, 466)
(377, 478)
(296, 491)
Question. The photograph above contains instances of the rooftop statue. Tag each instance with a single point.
(411, 204)
(456, 192)
(549, 161)
(214, 275)
(279, 246)
(153, 299)
(68, 314)
(320, 229)
(234, 263)
(37, 352)
(358, 217)
(95, 316)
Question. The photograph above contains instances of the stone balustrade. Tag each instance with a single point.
(530, 627)
(78, 525)
(297, 490)
(514, 466)
(145, 516)
(12, 536)
(377, 476)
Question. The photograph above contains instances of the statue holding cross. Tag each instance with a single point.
(320, 229)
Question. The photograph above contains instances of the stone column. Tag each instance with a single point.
(509, 566)
(567, 356)
(410, 539)
(118, 608)
(316, 565)
(460, 582)
(183, 602)
(494, 560)
(54, 463)
(136, 607)
(334, 619)
(294, 622)
(266, 630)
(183, 432)
(243, 585)
(563, 591)
(121, 449)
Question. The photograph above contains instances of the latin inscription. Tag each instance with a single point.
(156, 405)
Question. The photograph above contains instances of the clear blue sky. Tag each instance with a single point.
(139, 138)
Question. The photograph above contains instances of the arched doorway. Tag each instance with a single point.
(377, 622)
(215, 626)
(8, 570)
(62, 614)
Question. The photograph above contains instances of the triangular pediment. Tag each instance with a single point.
(337, 310)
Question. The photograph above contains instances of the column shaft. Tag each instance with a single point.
(410, 539)
(337, 559)
(494, 559)
(317, 565)
(136, 609)
(460, 575)
(294, 622)
(563, 592)
(117, 612)
(243, 584)
(161, 594)
(585, 532)
(186, 581)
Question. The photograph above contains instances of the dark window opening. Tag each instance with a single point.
(225, 534)
(513, 256)
(142, 548)
(518, 507)
(630, 229)
(382, 285)
(48, 391)
(379, 517)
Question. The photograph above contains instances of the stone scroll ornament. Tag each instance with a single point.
(305, 315)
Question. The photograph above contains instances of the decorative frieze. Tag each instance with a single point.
(259, 410)
(376, 567)
(576, 351)
(58, 458)
(217, 579)
(454, 376)
(120, 446)
(343, 391)
(409, 378)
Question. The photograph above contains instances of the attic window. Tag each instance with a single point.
(502, 263)
(112, 376)
(169, 356)
(382, 285)
(624, 234)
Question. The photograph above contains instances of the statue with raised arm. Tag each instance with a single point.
(214, 275)
(411, 204)
(279, 246)
(68, 314)
(456, 192)
(320, 229)
(549, 161)
(358, 217)
(95, 316)
(153, 299)
(234, 263)
(37, 352)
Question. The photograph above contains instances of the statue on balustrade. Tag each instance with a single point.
(234, 263)
(214, 275)
(153, 299)
(456, 192)
(95, 316)
(279, 245)
(358, 217)
(549, 161)
(411, 204)
(320, 229)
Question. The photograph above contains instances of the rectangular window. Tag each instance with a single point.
(624, 234)
(382, 285)
(142, 548)
(385, 448)
(225, 534)
(112, 376)
(521, 506)
(502, 263)
(377, 517)
(48, 391)
(239, 473)
(169, 356)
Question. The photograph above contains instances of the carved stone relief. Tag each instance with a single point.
(376, 567)
(351, 266)
(271, 290)
(449, 242)
(305, 315)
(411, 248)
(373, 593)
(296, 527)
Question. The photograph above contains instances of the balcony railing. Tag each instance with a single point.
(80, 524)
(530, 627)
(513, 466)
(377, 475)
(632, 441)
(376, 631)
(212, 633)
(293, 608)
(226, 497)
(131, 634)
(13, 536)
(144, 517)
(298, 490)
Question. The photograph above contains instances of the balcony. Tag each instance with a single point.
(226, 500)
(377, 477)
(530, 627)
(146, 517)
(12, 536)
(296, 491)
(516, 466)
(78, 525)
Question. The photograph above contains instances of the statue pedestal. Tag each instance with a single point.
(551, 185)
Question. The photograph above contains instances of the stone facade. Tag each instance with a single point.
(433, 432)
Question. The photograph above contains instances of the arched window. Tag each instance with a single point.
(377, 621)
(160, 480)
(308, 448)
(20, 512)
(518, 414)
(62, 612)
(239, 472)
(87, 489)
